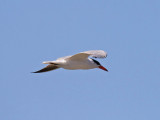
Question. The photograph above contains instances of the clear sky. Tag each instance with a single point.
(33, 31)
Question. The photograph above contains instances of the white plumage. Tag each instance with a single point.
(77, 61)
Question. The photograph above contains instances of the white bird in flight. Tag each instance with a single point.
(77, 61)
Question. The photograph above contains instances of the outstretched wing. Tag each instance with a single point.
(47, 68)
(86, 54)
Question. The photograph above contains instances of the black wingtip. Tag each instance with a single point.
(35, 72)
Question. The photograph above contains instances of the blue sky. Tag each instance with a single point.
(33, 31)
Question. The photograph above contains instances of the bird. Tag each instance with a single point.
(77, 61)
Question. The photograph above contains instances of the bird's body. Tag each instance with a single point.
(77, 61)
(72, 64)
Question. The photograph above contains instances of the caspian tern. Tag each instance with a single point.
(77, 61)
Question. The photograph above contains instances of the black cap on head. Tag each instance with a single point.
(95, 61)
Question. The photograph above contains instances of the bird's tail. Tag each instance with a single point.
(50, 62)
(47, 62)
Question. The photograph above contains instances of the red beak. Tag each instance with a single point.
(103, 68)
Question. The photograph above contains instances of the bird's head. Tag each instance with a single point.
(99, 65)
